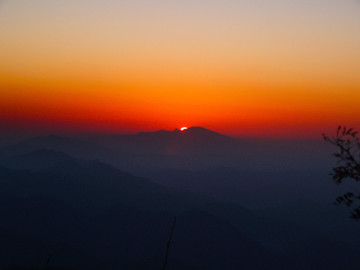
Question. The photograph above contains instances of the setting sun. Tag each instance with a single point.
(183, 128)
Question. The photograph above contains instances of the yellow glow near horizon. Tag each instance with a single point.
(241, 67)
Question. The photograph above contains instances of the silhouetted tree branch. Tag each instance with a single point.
(348, 165)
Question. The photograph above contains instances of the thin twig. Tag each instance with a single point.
(168, 244)
(47, 262)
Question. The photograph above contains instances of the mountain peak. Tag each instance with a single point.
(195, 129)
(200, 132)
(201, 129)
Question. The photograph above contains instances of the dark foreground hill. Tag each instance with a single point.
(94, 216)
(89, 215)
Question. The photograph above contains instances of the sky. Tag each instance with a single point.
(263, 68)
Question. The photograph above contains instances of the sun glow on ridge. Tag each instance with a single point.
(183, 128)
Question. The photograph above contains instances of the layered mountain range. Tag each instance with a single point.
(67, 202)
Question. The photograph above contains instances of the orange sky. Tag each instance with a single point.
(253, 69)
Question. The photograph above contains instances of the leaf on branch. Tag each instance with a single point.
(355, 214)
(338, 130)
(348, 132)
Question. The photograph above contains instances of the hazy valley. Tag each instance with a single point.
(108, 202)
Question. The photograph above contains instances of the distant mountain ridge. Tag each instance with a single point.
(70, 145)
(189, 140)
(37, 159)
(194, 140)
(191, 131)
(195, 148)
(194, 132)
(129, 152)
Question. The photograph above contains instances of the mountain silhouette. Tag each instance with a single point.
(194, 140)
(194, 147)
(37, 159)
(78, 147)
